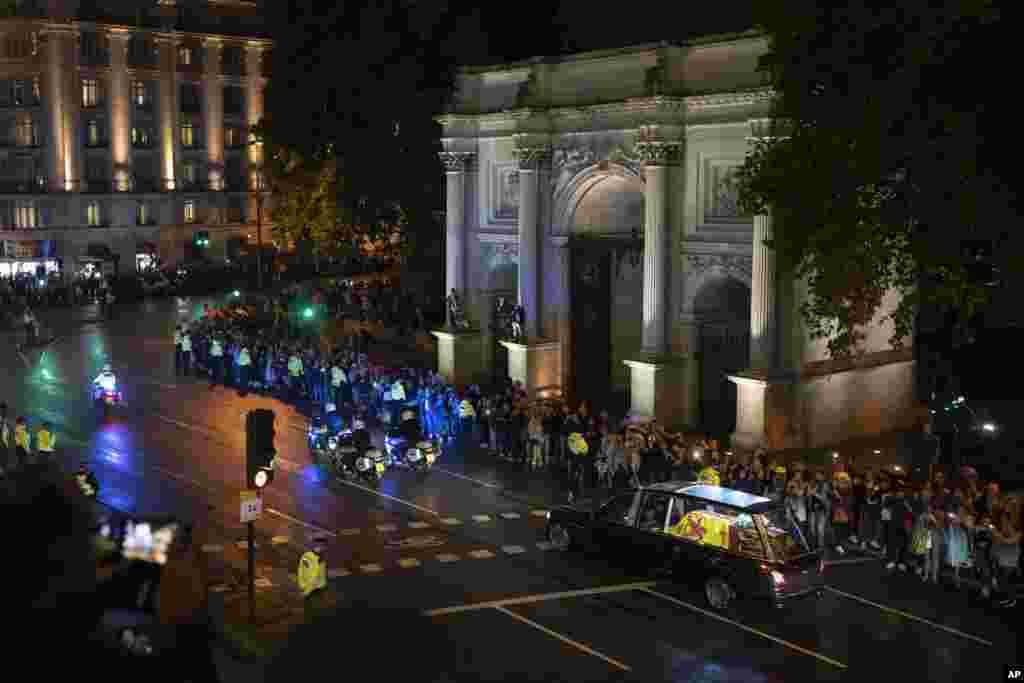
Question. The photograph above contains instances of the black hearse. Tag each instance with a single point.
(732, 542)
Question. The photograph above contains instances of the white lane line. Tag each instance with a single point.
(852, 560)
(481, 519)
(419, 525)
(408, 562)
(314, 527)
(279, 540)
(513, 549)
(744, 627)
(447, 557)
(219, 588)
(384, 495)
(510, 515)
(450, 521)
(350, 532)
(540, 597)
(213, 548)
(908, 615)
(538, 513)
(263, 583)
(244, 545)
(181, 477)
(481, 554)
(565, 639)
(481, 482)
(545, 545)
(387, 528)
(338, 573)
(370, 568)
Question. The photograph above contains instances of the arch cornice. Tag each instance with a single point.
(569, 194)
(704, 267)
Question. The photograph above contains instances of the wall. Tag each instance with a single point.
(627, 316)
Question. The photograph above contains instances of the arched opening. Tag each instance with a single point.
(606, 287)
(722, 308)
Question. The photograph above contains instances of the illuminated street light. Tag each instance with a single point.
(308, 313)
(236, 293)
(988, 427)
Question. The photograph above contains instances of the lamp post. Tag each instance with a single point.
(259, 229)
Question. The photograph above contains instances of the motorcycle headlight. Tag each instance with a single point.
(424, 445)
(413, 454)
(332, 443)
(363, 464)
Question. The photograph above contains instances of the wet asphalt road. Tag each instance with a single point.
(467, 540)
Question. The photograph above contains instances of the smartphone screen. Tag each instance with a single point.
(147, 541)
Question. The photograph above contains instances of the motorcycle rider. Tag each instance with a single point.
(105, 381)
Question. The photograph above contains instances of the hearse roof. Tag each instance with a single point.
(715, 494)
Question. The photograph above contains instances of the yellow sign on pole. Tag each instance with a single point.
(252, 506)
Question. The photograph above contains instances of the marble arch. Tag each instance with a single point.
(524, 147)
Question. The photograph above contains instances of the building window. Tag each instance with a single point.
(142, 214)
(190, 211)
(188, 173)
(187, 134)
(37, 95)
(90, 92)
(92, 214)
(184, 55)
(233, 137)
(18, 93)
(140, 94)
(25, 216)
(26, 133)
(141, 137)
(93, 133)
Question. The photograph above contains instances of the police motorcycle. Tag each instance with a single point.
(322, 435)
(407, 446)
(105, 392)
(356, 455)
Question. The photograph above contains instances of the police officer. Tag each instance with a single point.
(244, 365)
(216, 361)
(177, 349)
(338, 378)
(295, 373)
(22, 441)
(46, 441)
(312, 578)
(186, 352)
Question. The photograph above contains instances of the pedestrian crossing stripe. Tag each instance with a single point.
(279, 540)
(544, 545)
(350, 532)
(219, 588)
(510, 515)
(481, 518)
(387, 528)
(481, 554)
(408, 562)
(419, 525)
(338, 573)
(447, 557)
(450, 521)
(370, 568)
(213, 548)
(538, 513)
(513, 549)
(263, 583)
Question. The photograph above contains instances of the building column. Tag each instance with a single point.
(120, 110)
(167, 108)
(456, 165)
(763, 326)
(63, 101)
(213, 113)
(531, 163)
(658, 157)
(254, 84)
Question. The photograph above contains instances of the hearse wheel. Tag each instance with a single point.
(718, 592)
(560, 537)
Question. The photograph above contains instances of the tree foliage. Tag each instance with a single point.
(884, 167)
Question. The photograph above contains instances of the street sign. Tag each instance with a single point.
(252, 506)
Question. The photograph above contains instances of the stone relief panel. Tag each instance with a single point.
(734, 265)
(499, 263)
(504, 191)
(718, 192)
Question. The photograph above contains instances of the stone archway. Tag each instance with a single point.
(721, 311)
(603, 219)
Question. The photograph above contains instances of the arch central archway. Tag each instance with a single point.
(606, 285)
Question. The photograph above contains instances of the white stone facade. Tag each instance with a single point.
(637, 145)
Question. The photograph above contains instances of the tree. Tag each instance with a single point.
(885, 167)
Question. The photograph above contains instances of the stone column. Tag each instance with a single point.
(254, 84)
(531, 162)
(120, 111)
(63, 101)
(658, 157)
(213, 113)
(456, 164)
(167, 108)
(763, 330)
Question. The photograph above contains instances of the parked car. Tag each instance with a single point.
(729, 542)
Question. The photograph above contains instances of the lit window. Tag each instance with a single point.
(190, 211)
(140, 95)
(141, 136)
(184, 55)
(18, 93)
(93, 132)
(25, 216)
(188, 173)
(187, 134)
(90, 93)
(36, 93)
(141, 214)
(92, 214)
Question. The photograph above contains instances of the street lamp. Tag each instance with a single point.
(259, 191)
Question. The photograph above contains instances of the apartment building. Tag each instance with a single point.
(124, 132)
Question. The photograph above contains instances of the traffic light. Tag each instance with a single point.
(202, 239)
(308, 313)
(259, 448)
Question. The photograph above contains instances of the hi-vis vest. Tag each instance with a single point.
(45, 441)
(243, 358)
(294, 366)
(338, 376)
(186, 343)
(397, 392)
(21, 437)
(466, 409)
(312, 574)
(216, 349)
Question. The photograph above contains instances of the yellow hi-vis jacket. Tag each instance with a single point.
(312, 574)
(338, 376)
(397, 392)
(45, 441)
(466, 409)
(21, 437)
(294, 366)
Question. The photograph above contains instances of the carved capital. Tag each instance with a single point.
(532, 158)
(456, 162)
(656, 153)
(740, 267)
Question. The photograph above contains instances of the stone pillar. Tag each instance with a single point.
(213, 113)
(167, 108)
(456, 165)
(531, 164)
(763, 329)
(658, 157)
(536, 366)
(63, 101)
(459, 356)
(120, 111)
(254, 84)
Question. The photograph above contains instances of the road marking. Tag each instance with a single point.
(384, 495)
(419, 542)
(450, 521)
(539, 513)
(447, 557)
(481, 554)
(852, 560)
(481, 519)
(408, 562)
(513, 549)
(244, 545)
(314, 527)
(545, 545)
(565, 639)
(279, 540)
(338, 573)
(263, 583)
(510, 515)
(213, 548)
(370, 568)
(540, 597)
(350, 532)
(173, 475)
(908, 615)
(219, 588)
(419, 525)
(387, 528)
(744, 627)
(488, 484)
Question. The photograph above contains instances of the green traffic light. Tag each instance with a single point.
(236, 293)
(308, 313)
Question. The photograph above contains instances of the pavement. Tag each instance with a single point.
(464, 544)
